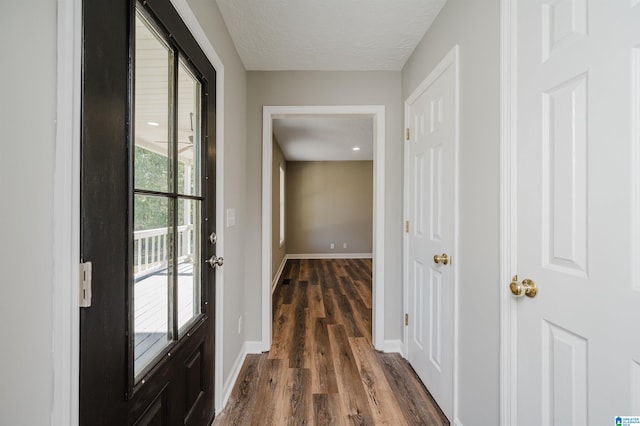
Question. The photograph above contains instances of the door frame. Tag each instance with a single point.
(508, 210)
(66, 207)
(451, 59)
(377, 112)
(66, 215)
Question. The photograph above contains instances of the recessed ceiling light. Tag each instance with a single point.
(153, 123)
(356, 148)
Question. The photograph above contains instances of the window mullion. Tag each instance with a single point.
(173, 176)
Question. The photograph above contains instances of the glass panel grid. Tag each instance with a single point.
(168, 203)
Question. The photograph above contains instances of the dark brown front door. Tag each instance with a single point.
(147, 209)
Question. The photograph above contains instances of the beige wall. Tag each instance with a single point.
(329, 202)
(27, 158)
(234, 146)
(475, 26)
(326, 88)
(278, 251)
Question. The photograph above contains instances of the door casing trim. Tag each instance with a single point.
(451, 59)
(508, 210)
(378, 114)
(66, 216)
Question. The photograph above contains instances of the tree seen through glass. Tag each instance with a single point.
(151, 168)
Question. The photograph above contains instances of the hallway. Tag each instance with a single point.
(322, 368)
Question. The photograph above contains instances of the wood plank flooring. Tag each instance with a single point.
(322, 368)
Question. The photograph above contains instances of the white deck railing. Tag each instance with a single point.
(150, 248)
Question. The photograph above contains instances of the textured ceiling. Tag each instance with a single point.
(340, 35)
(325, 138)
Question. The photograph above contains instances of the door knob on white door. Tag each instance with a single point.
(525, 288)
(443, 258)
(215, 261)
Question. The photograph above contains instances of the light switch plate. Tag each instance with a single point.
(231, 217)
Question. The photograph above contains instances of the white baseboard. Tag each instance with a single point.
(330, 256)
(233, 376)
(253, 347)
(276, 278)
(393, 346)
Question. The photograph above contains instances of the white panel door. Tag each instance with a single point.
(578, 340)
(430, 156)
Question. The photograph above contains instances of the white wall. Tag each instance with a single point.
(475, 26)
(27, 143)
(234, 142)
(326, 88)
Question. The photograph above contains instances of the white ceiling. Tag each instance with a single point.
(325, 138)
(336, 35)
(326, 35)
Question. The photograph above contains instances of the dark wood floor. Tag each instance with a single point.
(322, 369)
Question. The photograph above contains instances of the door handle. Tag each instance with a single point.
(525, 288)
(443, 258)
(215, 261)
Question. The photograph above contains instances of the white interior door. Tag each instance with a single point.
(430, 160)
(578, 347)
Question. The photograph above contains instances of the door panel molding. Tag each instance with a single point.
(378, 114)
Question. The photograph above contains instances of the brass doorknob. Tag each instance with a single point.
(525, 288)
(443, 258)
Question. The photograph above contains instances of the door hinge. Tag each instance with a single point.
(406, 319)
(408, 133)
(85, 285)
(406, 226)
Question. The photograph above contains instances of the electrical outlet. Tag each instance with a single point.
(240, 325)
(333, 246)
(344, 245)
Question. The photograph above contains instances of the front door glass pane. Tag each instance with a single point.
(152, 91)
(189, 273)
(152, 243)
(188, 132)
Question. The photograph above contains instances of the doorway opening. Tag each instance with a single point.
(377, 114)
